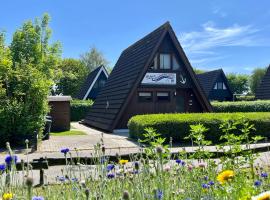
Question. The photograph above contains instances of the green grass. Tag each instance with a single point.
(68, 133)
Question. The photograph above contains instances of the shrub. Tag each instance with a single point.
(177, 126)
(242, 106)
(79, 109)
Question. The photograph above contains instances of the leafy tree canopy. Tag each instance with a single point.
(74, 73)
(93, 59)
(256, 77)
(30, 44)
(238, 82)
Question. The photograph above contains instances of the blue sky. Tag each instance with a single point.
(232, 34)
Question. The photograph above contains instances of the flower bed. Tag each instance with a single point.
(155, 176)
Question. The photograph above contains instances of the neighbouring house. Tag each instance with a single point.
(215, 85)
(151, 76)
(60, 112)
(94, 82)
(263, 91)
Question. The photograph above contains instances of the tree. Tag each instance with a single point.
(27, 70)
(30, 44)
(93, 59)
(255, 78)
(74, 73)
(198, 71)
(238, 83)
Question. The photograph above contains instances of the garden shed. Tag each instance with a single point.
(60, 112)
(215, 85)
(151, 76)
(94, 82)
(263, 91)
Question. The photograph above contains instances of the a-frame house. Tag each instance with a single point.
(151, 76)
(263, 91)
(215, 85)
(94, 82)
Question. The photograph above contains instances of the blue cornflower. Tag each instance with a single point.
(183, 163)
(74, 180)
(178, 161)
(103, 160)
(65, 150)
(159, 194)
(110, 167)
(110, 175)
(205, 186)
(61, 178)
(2, 167)
(257, 183)
(137, 165)
(264, 175)
(211, 183)
(37, 198)
(9, 159)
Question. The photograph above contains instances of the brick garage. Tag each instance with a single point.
(60, 112)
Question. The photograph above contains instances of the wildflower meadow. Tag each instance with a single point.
(153, 173)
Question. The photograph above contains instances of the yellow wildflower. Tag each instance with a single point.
(123, 162)
(225, 176)
(262, 196)
(7, 196)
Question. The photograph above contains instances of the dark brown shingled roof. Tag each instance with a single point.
(127, 74)
(208, 80)
(263, 91)
(88, 82)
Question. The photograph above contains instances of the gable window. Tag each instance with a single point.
(163, 96)
(145, 96)
(220, 86)
(224, 86)
(175, 63)
(154, 64)
(165, 61)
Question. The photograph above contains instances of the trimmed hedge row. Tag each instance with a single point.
(242, 106)
(79, 109)
(177, 126)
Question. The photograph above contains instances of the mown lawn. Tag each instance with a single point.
(68, 133)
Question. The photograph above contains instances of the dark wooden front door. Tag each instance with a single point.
(180, 101)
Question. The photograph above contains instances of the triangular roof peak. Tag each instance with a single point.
(127, 74)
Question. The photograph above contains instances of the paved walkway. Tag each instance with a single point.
(86, 142)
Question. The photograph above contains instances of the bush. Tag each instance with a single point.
(242, 106)
(177, 126)
(79, 109)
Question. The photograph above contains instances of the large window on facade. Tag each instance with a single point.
(165, 61)
(175, 63)
(163, 96)
(145, 96)
(220, 86)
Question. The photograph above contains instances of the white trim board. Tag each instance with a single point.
(102, 69)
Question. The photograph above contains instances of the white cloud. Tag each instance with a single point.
(202, 45)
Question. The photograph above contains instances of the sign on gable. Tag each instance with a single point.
(159, 78)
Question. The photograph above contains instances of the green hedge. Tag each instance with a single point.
(242, 106)
(177, 126)
(79, 109)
